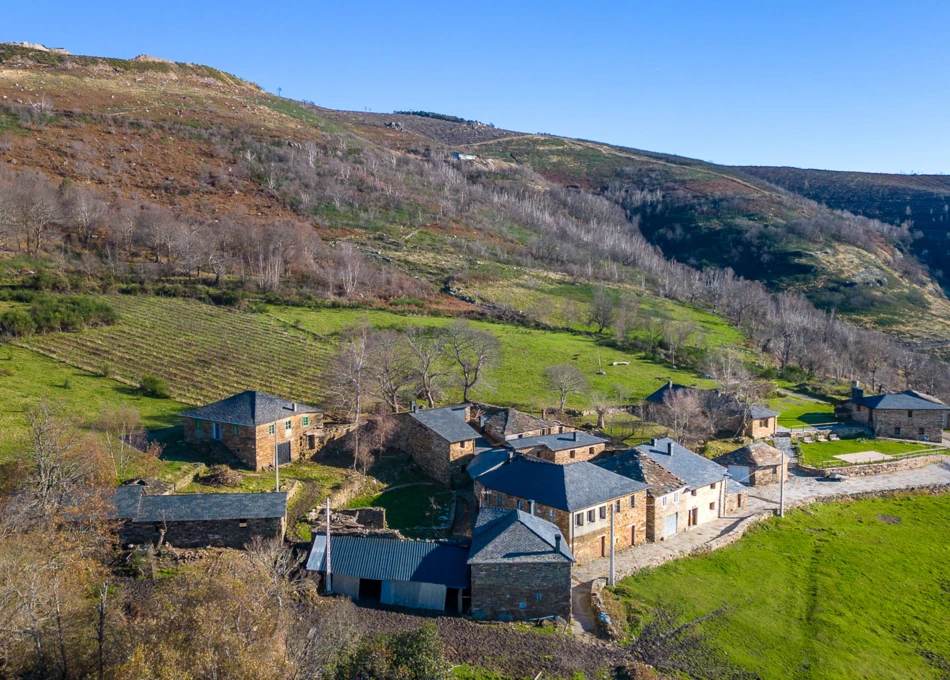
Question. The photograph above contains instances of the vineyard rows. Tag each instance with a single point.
(203, 352)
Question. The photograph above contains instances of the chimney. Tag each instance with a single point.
(653, 442)
(481, 423)
(557, 542)
(856, 392)
(574, 435)
(669, 384)
(413, 406)
(293, 407)
(531, 507)
(669, 447)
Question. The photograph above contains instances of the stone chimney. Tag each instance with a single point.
(413, 407)
(669, 384)
(557, 543)
(653, 442)
(856, 392)
(574, 435)
(293, 407)
(669, 447)
(531, 508)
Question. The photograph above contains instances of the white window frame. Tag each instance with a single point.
(663, 501)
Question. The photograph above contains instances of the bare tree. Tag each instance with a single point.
(626, 318)
(118, 425)
(603, 309)
(677, 334)
(390, 367)
(565, 380)
(474, 351)
(684, 416)
(349, 379)
(427, 347)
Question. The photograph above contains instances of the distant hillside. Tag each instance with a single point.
(922, 201)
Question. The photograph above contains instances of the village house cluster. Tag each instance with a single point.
(548, 495)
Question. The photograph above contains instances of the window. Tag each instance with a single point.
(235, 431)
(591, 516)
(859, 408)
(712, 486)
(676, 496)
(712, 506)
(498, 500)
(573, 454)
(242, 523)
(693, 492)
(603, 512)
(633, 501)
(897, 432)
(538, 596)
(910, 414)
(522, 605)
(288, 425)
(271, 429)
(305, 421)
(198, 426)
(617, 506)
(590, 451)
(579, 519)
(663, 501)
(920, 431)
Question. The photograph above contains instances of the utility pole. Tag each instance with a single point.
(329, 577)
(610, 581)
(276, 460)
(781, 487)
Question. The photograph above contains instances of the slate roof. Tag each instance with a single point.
(665, 393)
(512, 536)
(565, 487)
(734, 487)
(760, 412)
(191, 507)
(126, 501)
(637, 466)
(487, 460)
(392, 559)
(506, 422)
(757, 454)
(692, 468)
(249, 408)
(556, 442)
(901, 401)
(448, 422)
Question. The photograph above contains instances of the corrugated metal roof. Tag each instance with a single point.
(448, 422)
(211, 506)
(512, 536)
(392, 559)
(251, 409)
(565, 487)
(557, 442)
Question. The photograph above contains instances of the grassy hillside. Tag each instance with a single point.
(804, 592)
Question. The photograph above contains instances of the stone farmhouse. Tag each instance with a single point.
(501, 424)
(729, 415)
(521, 567)
(904, 415)
(225, 520)
(757, 464)
(579, 499)
(256, 428)
(564, 448)
(685, 489)
(440, 440)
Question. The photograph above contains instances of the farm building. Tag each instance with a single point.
(256, 427)
(439, 440)
(685, 489)
(521, 567)
(904, 415)
(226, 520)
(502, 424)
(761, 422)
(563, 448)
(727, 413)
(580, 499)
(757, 464)
(417, 574)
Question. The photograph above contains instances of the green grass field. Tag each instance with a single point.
(26, 378)
(821, 454)
(837, 591)
(802, 413)
(409, 509)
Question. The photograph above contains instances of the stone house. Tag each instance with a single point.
(563, 448)
(757, 464)
(580, 499)
(439, 440)
(521, 567)
(760, 422)
(225, 520)
(256, 427)
(419, 574)
(685, 489)
(904, 415)
(502, 424)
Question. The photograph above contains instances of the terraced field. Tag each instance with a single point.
(203, 352)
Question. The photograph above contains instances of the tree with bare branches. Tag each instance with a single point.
(427, 347)
(474, 352)
(565, 380)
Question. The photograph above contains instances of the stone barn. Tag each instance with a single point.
(757, 464)
(563, 448)
(200, 520)
(256, 427)
(904, 415)
(439, 440)
(521, 567)
(417, 574)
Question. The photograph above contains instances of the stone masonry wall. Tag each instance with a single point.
(884, 423)
(500, 589)
(428, 450)
(255, 446)
(875, 468)
(567, 456)
(758, 428)
(217, 533)
(706, 500)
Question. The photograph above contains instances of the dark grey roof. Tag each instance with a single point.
(692, 468)
(665, 393)
(126, 501)
(755, 454)
(487, 460)
(507, 536)
(392, 559)
(250, 408)
(556, 442)
(760, 412)
(640, 467)
(565, 487)
(448, 422)
(211, 506)
(506, 421)
(902, 401)
(733, 487)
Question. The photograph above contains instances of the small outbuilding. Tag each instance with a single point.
(761, 422)
(757, 464)
(417, 574)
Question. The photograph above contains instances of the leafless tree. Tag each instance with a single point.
(626, 318)
(427, 347)
(676, 335)
(603, 309)
(565, 380)
(684, 416)
(349, 380)
(390, 367)
(474, 352)
(118, 425)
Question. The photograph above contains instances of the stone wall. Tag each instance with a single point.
(768, 474)
(735, 502)
(441, 460)
(760, 428)
(609, 628)
(875, 468)
(902, 424)
(567, 456)
(705, 500)
(499, 590)
(255, 446)
(200, 534)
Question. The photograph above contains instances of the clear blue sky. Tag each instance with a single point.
(847, 85)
